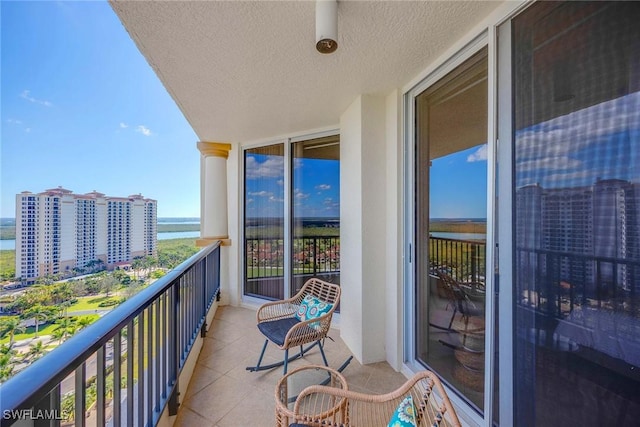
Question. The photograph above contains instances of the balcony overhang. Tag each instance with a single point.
(242, 71)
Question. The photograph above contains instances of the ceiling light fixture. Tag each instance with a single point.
(326, 26)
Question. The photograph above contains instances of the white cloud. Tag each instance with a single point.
(123, 125)
(275, 199)
(249, 201)
(299, 194)
(273, 167)
(261, 193)
(14, 121)
(579, 129)
(323, 187)
(26, 94)
(480, 155)
(280, 182)
(28, 130)
(144, 130)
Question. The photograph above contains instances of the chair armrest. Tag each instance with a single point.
(308, 331)
(277, 310)
(317, 404)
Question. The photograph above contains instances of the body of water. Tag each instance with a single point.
(11, 244)
(179, 235)
(459, 236)
(7, 245)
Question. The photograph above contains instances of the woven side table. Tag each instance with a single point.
(289, 387)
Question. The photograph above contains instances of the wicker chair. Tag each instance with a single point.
(334, 407)
(466, 298)
(279, 323)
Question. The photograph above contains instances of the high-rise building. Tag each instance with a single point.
(581, 235)
(58, 232)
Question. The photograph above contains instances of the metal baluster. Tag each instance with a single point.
(149, 340)
(80, 395)
(117, 378)
(158, 352)
(140, 358)
(130, 359)
(100, 386)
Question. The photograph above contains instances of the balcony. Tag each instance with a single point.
(214, 394)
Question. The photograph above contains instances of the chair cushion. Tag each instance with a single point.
(311, 308)
(276, 330)
(404, 415)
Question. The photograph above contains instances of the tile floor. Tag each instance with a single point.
(223, 393)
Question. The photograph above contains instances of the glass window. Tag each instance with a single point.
(312, 221)
(316, 211)
(451, 173)
(576, 86)
(264, 221)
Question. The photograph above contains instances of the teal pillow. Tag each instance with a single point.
(311, 308)
(404, 415)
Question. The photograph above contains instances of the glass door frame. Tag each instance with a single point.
(288, 207)
(485, 39)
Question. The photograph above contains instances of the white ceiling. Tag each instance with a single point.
(242, 71)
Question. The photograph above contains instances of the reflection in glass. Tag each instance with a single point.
(451, 229)
(264, 221)
(577, 214)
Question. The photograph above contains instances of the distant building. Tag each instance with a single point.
(58, 231)
(590, 234)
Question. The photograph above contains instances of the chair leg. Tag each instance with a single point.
(264, 347)
(324, 358)
(286, 361)
(453, 316)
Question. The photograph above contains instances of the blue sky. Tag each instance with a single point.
(82, 109)
(459, 184)
(316, 187)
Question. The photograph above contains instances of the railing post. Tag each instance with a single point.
(174, 350)
(47, 410)
(474, 266)
(315, 255)
(205, 295)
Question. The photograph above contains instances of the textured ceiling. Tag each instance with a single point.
(248, 70)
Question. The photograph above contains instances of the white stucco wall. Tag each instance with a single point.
(394, 224)
(230, 277)
(363, 227)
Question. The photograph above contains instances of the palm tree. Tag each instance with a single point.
(6, 366)
(10, 326)
(67, 325)
(36, 351)
(39, 313)
(58, 334)
(84, 321)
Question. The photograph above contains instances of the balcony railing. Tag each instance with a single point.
(312, 256)
(464, 260)
(123, 369)
(555, 282)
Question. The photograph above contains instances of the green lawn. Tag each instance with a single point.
(90, 303)
(46, 329)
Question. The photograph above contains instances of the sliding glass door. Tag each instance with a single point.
(264, 221)
(291, 215)
(315, 210)
(451, 224)
(576, 214)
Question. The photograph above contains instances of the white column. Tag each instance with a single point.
(213, 193)
(363, 228)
